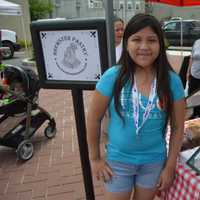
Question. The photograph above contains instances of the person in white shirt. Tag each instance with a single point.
(193, 74)
(119, 31)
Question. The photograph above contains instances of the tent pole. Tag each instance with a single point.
(24, 33)
(181, 37)
(110, 32)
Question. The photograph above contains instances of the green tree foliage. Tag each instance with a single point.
(40, 9)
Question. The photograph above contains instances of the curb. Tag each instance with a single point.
(27, 62)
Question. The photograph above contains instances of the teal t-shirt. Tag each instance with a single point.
(123, 143)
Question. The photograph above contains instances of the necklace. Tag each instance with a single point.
(140, 102)
(149, 107)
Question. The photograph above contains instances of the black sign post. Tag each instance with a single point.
(72, 54)
(77, 96)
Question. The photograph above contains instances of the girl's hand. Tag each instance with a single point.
(166, 178)
(101, 170)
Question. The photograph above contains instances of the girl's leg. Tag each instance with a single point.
(146, 181)
(144, 193)
(121, 185)
(118, 196)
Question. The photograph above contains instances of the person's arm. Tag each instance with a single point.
(177, 130)
(96, 112)
(175, 143)
(98, 106)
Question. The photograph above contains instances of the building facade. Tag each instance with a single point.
(123, 8)
(96, 8)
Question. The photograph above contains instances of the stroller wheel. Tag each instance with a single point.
(25, 150)
(50, 131)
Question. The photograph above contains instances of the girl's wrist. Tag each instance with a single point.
(94, 158)
(170, 167)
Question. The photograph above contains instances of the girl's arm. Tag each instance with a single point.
(175, 143)
(97, 110)
(98, 106)
(177, 131)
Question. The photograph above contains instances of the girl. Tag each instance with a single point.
(142, 94)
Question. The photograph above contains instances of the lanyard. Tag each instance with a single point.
(135, 100)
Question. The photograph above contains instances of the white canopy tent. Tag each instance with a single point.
(8, 8)
(13, 9)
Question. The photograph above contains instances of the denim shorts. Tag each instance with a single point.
(126, 176)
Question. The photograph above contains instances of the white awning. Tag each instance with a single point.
(8, 8)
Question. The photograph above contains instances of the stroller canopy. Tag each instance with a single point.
(28, 78)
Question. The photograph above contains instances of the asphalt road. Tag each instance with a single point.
(17, 59)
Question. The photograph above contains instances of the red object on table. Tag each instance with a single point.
(186, 185)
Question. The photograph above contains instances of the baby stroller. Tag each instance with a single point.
(20, 114)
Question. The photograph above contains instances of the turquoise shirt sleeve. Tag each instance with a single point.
(176, 87)
(106, 84)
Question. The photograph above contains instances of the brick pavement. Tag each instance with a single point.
(54, 172)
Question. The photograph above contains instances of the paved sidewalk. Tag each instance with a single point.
(54, 172)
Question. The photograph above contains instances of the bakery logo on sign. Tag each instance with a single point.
(70, 55)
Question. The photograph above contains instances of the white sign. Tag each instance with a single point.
(71, 55)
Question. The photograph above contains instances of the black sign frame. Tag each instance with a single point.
(97, 24)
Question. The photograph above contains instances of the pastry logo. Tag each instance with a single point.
(70, 55)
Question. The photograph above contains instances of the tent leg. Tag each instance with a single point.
(24, 33)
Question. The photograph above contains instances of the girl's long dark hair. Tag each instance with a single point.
(127, 68)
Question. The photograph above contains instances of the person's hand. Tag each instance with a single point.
(101, 170)
(4, 87)
(166, 178)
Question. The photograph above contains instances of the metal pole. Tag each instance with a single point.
(110, 32)
(24, 33)
(50, 13)
(181, 37)
(125, 10)
(78, 6)
(77, 96)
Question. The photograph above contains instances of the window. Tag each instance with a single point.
(171, 27)
(121, 5)
(95, 4)
(195, 26)
(137, 5)
(129, 5)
